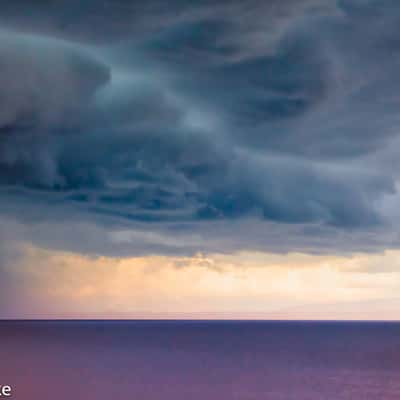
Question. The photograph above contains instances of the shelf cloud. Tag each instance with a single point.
(250, 125)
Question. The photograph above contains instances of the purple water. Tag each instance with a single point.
(151, 360)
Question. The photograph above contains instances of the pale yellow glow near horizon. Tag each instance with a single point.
(242, 285)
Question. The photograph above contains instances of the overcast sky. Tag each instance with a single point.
(248, 149)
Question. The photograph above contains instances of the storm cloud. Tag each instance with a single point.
(156, 121)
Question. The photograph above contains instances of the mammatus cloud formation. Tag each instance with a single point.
(129, 130)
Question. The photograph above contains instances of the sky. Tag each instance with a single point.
(208, 159)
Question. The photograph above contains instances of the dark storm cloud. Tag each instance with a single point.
(147, 118)
(113, 20)
(45, 86)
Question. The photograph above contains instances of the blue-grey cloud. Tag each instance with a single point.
(196, 116)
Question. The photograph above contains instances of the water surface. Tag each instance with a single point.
(173, 360)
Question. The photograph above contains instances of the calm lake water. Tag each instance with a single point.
(152, 360)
